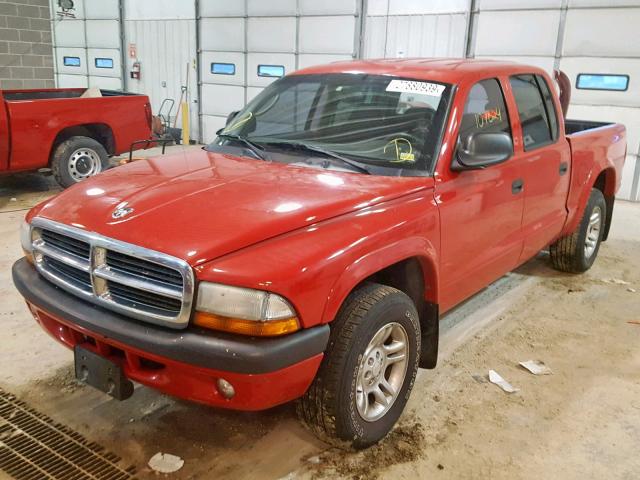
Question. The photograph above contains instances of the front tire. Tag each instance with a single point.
(77, 159)
(576, 253)
(368, 370)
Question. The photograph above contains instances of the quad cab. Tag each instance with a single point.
(310, 250)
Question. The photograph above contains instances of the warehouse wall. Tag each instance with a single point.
(577, 36)
(87, 44)
(162, 34)
(247, 36)
(26, 59)
(416, 28)
(614, 49)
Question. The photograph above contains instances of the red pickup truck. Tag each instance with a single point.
(71, 134)
(310, 250)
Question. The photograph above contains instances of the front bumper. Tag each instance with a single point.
(184, 363)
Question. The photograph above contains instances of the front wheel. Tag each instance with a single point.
(368, 370)
(576, 253)
(77, 159)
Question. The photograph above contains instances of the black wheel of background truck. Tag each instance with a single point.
(576, 253)
(368, 370)
(77, 159)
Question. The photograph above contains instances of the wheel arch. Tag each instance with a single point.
(414, 274)
(606, 182)
(100, 132)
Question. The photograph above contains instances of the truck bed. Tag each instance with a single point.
(577, 126)
(19, 95)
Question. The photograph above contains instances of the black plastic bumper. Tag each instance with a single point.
(219, 351)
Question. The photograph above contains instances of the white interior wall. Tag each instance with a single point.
(164, 35)
(91, 32)
(566, 34)
(291, 34)
(416, 28)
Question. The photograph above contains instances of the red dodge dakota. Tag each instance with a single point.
(310, 250)
(71, 134)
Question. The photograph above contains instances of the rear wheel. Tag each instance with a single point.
(576, 253)
(368, 370)
(77, 159)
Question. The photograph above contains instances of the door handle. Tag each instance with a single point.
(564, 168)
(517, 186)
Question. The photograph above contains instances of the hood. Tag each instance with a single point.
(200, 205)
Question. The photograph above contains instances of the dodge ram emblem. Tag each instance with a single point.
(122, 210)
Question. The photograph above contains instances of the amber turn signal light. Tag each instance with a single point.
(28, 256)
(271, 328)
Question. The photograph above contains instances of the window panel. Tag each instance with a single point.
(552, 113)
(596, 81)
(532, 112)
(104, 62)
(71, 61)
(270, 70)
(223, 68)
(485, 110)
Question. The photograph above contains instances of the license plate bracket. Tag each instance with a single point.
(101, 373)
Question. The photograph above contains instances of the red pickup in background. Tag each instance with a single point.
(71, 134)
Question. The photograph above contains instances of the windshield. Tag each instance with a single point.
(373, 119)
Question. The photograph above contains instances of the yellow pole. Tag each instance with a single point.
(185, 111)
(185, 123)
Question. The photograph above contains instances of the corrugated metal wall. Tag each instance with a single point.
(416, 28)
(162, 34)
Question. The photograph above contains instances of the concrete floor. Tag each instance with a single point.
(268, 445)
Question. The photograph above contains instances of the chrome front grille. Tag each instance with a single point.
(137, 282)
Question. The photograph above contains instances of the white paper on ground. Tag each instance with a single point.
(166, 463)
(616, 281)
(495, 378)
(536, 367)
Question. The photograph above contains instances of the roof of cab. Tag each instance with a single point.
(446, 70)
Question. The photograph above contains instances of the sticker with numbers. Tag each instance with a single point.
(411, 86)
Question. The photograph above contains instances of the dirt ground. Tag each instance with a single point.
(583, 421)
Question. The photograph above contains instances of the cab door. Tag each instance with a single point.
(546, 162)
(480, 210)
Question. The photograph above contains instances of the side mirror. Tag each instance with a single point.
(480, 150)
(231, 116)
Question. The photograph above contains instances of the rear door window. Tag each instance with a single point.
(550, 106)
(536, 126)
(485, 110)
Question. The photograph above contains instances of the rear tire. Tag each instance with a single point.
(368, 370)
(576, 253)
(77, 159)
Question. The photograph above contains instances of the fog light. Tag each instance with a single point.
(226, 389)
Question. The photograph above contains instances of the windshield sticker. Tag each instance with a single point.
(410, 86)
(403, 150)
(488, 117)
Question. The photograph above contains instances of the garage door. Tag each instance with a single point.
(161, 36)
(87, 44)
(246, 45)
(416, 28)
(606, 74)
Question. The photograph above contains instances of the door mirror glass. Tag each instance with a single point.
(480, 150)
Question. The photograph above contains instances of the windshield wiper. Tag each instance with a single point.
(322, 151)
(254, 147)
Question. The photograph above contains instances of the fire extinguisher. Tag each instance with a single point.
(135, 70)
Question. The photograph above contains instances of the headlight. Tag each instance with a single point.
(26, 241)
(244, 310)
